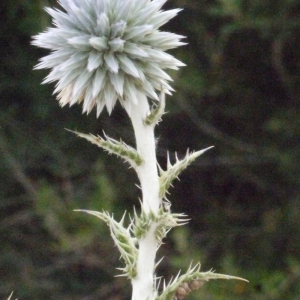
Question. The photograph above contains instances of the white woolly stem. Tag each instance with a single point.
(143, 283)
(145, 142)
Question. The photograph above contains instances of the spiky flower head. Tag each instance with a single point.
(105, 50)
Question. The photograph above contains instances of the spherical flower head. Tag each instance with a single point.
(105, 50)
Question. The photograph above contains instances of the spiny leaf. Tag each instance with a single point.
(173, 171)
(162, 221)
(191, 280)
(155, 115)
(123, 240)
(112, 146)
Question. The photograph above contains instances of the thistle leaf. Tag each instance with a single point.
(193, 279)
(112, 146)
(122, 239)
(141, 224)
(172, 172)
(162, 222)
(155, 115)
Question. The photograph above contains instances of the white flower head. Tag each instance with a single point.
(105, 50)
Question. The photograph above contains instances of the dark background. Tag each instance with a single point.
(240, 92)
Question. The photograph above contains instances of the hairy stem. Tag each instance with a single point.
(143, 283)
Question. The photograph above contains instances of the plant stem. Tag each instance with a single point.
(143, 283)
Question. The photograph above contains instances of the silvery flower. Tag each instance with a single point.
(104, 50)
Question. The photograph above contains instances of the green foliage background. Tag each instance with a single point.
(240, 92)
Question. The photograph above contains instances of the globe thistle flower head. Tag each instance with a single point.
(108, 50)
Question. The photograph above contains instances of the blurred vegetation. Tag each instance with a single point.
(240, 92)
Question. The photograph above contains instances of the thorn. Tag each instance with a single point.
(156, 265)
(168, 160)
(138, 186)
(121, 222)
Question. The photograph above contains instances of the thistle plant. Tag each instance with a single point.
(104, 51)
